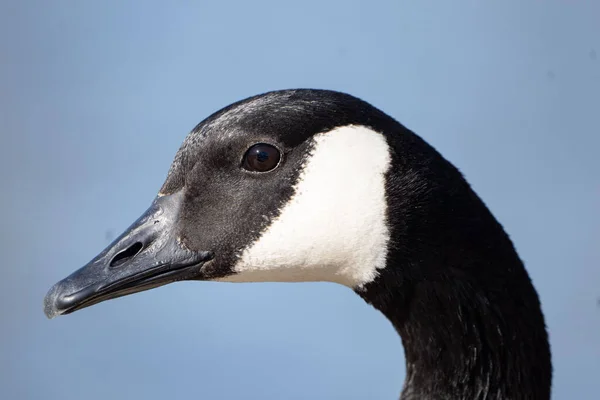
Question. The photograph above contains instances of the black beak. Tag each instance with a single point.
(147, 255)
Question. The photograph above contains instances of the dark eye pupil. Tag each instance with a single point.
(261, 157)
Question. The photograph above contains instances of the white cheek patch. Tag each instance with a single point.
(334, 227)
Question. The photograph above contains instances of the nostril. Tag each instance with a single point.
(126, 254)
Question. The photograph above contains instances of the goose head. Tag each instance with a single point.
(314, 185)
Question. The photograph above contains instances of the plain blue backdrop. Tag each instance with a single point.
(96, 97)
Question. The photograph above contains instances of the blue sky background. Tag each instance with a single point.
(96, 97)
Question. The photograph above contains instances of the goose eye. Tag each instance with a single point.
(261, 158)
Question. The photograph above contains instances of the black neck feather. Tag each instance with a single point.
(455, 289)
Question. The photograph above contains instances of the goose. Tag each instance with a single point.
(315, 185)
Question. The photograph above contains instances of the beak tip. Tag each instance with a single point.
(51, 315)
(50, 308)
